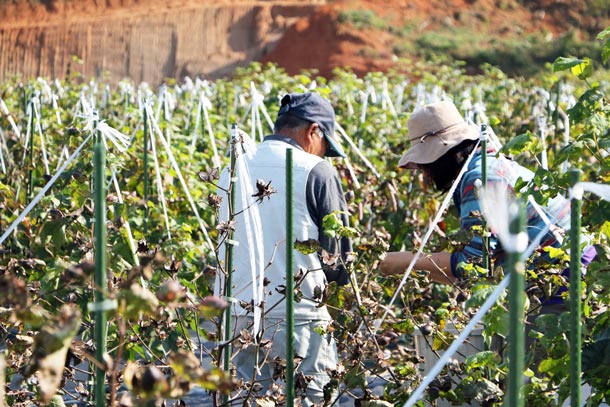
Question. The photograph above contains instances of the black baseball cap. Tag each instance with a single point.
(314, 108)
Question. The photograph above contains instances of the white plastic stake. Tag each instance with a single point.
(42, 192)
(3, 148)
(4, 110)
(131, 240)
(208, 124)
(365, 102)
(185, 187)
(45, 160)
(541, 121)
(159, 181)
(342, 132)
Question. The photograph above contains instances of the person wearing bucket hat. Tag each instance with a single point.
(441, 143)
(305, 124)
(433, 131)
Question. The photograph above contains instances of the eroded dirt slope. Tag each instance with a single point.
(152, 39)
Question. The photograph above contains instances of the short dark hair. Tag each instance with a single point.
(289, 122)
(443, 172)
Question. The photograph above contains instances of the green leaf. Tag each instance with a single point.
(548, 323)
(481, 359)
(478, 297)
(355, 378)
(606, 51)
(496, 321)
(307, 246)
(553, 365)
(563, 63)
(597, 353)
(604, 34)
(405, 326)
(481, 390)
(523, 142)
(332, 221)
(442, 340)
(137, 301)
(583, 70)
(586, 105)
(333, 226)
(556, 253)
(572, 151)
(605, 229)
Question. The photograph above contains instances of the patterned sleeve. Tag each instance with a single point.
(470, 216)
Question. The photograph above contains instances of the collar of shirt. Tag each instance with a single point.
(278, 137)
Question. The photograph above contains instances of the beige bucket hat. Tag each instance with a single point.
(435, 129)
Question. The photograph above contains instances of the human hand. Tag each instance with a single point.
(395, 263)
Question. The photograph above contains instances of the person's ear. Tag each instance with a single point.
(311, 133)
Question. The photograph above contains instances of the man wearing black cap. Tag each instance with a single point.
(305, 124)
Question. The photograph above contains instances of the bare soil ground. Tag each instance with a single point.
(328, 38)
(323, 40)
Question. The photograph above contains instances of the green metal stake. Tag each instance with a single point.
(575, 293)
(483, 138)
(146, 182)
(289, 284)
(101, 329)
(229, 252)
(24, 99)
(165, 125)
(31, 169)
(516, 327)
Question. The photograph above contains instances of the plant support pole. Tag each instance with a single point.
(146, 182)
(516, 327)
(575, 290)
(229, 250)
(483, 138)
(99, 163)
(31, 140)
(289, 284)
